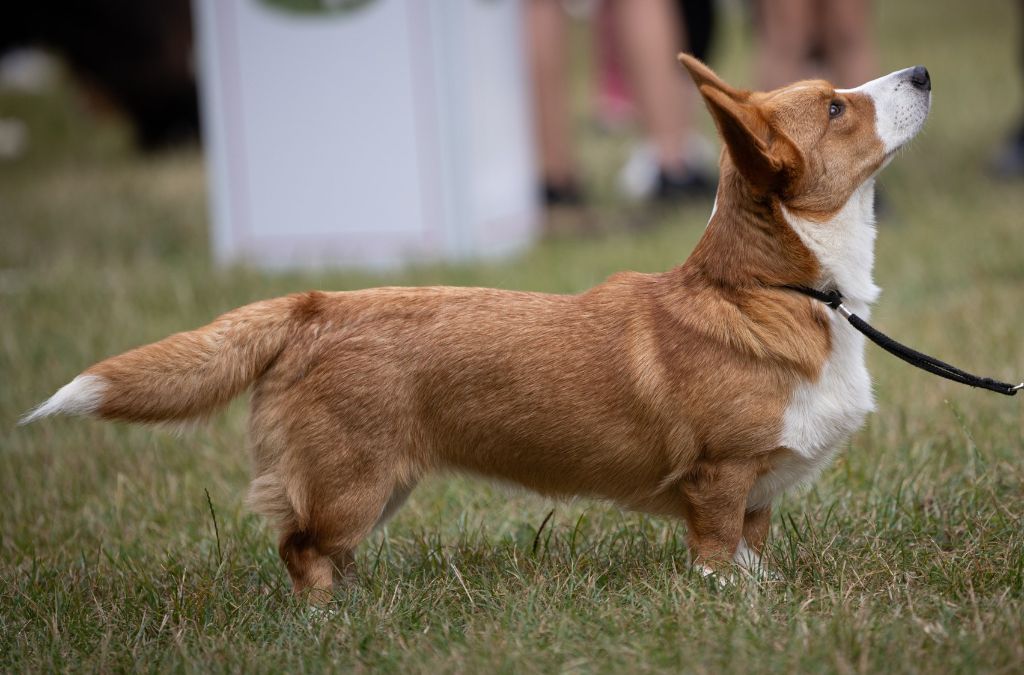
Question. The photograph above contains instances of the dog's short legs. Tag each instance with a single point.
(746, 557)
(715, 503)
(756, 525)
(311, 571)
(342, 503)
(315, 564)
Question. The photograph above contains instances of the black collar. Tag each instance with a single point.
(833, 298)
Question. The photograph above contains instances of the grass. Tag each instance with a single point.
(907, 555)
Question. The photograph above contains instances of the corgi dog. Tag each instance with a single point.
(700, 393)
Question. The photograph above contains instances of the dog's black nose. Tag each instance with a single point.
(920, 79)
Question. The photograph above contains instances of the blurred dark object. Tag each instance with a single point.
(699, 22)
(684, 185)
(561, 194)
(135, 54)
(1008, 160)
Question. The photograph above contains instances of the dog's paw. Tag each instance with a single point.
(320, 614)
(718, 576)
(751, 564)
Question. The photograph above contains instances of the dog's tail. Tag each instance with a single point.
(186, 375)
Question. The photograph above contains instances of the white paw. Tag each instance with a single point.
(319, 614)
(750, 562)
(722, 580)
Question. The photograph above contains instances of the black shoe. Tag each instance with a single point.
(566, 194)
(683, 186)
(566, 213)
(1008, 161)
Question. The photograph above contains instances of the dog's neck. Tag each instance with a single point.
(844, 245)
(750, 242)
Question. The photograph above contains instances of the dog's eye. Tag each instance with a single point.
(835, 109)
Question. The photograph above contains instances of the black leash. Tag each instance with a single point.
(834, 299)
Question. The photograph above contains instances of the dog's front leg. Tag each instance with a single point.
(715, 500)
(755, 531)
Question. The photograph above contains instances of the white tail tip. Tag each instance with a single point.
(81, 396)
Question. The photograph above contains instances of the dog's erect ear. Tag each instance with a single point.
(702, 75)
(767, 158)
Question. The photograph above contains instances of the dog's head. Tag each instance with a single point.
(810, 144)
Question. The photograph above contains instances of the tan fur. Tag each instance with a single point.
(661, 392)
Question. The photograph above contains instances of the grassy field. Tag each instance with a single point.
(907, 555)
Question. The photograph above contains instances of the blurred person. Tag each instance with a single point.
(1008, 161)
(647, 33)
(641, 176)
(804, 39)
(613, 100)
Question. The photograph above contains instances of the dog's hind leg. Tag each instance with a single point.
(311, 571)
(327, 472)
(320, 549)
(314, 566)
(334, 489)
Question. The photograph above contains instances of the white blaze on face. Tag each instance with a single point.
(900, 107)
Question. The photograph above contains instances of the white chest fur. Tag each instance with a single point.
(823, 413)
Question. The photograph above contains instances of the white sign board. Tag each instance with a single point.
(371, 134)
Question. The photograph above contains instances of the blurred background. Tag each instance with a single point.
(378, 134)
(162, 163)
